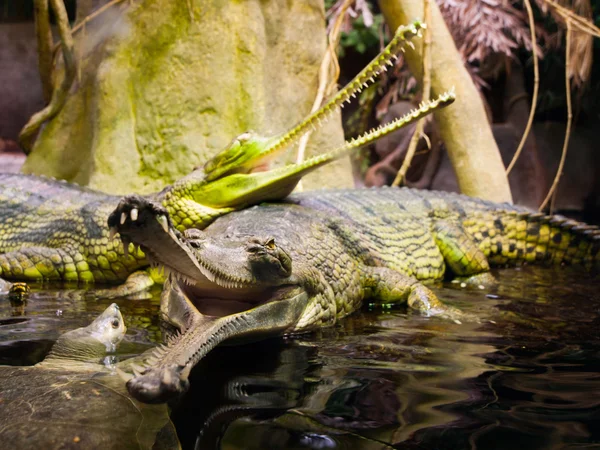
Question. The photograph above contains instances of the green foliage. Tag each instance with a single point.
(361, 38)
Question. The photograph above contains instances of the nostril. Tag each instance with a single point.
(193, 234)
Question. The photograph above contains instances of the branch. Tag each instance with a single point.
(328, 59)
(536, 85)
(59, 96)
(569, 119)
(44, 46)
(89, 18)
(412, 146)
(572, 19)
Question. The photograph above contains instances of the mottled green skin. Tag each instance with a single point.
(421, 233)
(55, 230)
(370, 242)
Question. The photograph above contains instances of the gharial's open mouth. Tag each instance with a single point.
(207, 304)
(218, 285)
(212, 299)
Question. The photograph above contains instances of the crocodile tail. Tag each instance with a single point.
(523, 236)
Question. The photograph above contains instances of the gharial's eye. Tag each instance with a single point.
(195, 243)
(115, 323)
(270, 244)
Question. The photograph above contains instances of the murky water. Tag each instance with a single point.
(527, 377)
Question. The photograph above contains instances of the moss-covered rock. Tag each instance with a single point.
(164, 87)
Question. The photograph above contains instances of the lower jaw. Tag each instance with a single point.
(167, 376)
(233, 301)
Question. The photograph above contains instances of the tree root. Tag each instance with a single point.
(59, 96)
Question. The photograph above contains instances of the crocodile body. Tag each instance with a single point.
(54, 230)
(308, 261)
(423, 233)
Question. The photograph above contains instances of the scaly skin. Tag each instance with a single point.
(53, 230)
(57, 231)
(311, 260)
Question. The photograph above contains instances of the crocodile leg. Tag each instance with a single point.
(137, 282)
(388, 286)
(461, 254)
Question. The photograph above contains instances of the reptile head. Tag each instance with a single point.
(224, 274)
(221, 286)
(108, 328)
(240, 175)
(247, 262)
(89, 343)
(245, 153)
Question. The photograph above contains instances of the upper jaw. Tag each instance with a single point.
(204, 272)
(148, 226)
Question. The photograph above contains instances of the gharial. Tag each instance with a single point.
(313, 258)
(53, 230)
(77, 380)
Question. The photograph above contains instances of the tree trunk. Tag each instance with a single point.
(463, 126)
(166, 84)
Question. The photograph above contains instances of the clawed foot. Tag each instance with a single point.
(158, 385)
(134, 219)
(5, 286)
(482, 280)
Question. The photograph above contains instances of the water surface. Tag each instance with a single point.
(527, 377)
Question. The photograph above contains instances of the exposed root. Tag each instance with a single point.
(44, 46)
(536, 86)
(59, 96)
(412, 146)
(569, 121)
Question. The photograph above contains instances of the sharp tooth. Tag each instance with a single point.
(151, 361)
(112, 233)
(134, 214)
(138, 370)
(124, 375)
(126, 243)
(123, 218)
(164, 222)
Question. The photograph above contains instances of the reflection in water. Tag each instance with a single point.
(527, 377)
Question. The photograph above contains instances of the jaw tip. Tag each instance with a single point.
(158, 385)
